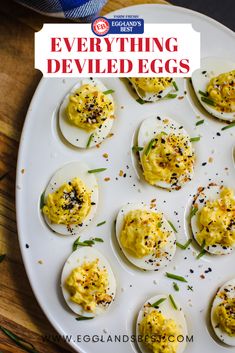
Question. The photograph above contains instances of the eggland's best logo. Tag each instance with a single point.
(100, 26)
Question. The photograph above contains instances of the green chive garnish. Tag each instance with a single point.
(89, 140)
(172, 226)
(140, 101)
(20, 342)
(228, 126)
(158, 302)
(200, 122)
(171, 95)
(42, 200)
(137, 148)
(163, 133)
(176, 287)
(78, 243)
(99, 240)
(184, 246)
(173, 302)
(204, 94)
(80, 318)
(109, 91)
(208, 101)
(175, 85)
(195, 139)
(203, 251)
(100, 224)
(2, 257)
(176, 277)
(149, 147)
(159, 224)
(193, 212)
(96, 170)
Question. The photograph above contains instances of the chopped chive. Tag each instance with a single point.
(184, 246)
(202, 253)
(172, 226)
(200, 122)
(89, 140)
(140, 101)
(78, 243)
(228, 126)
(42, 200)
(159, 224)
(137, 148)
(96, 170)
(163, 133)
(173, 302)
(158, 302)
(109, 91)
(20, 342)
(204, 94)
(171, 95)
(2, 257)
(176, 287)
(195, 139)
(100, 224)
(208, 101)
(176, 277)
(80, 318)
(149, 147)
(193, 212)
(99, 240)
(175, 85)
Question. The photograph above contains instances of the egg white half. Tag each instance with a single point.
(76, 259)
(64, 175)
(169, 312)
(167, 252)
(211, 192)
(75, 135)
(230, 291)
(148, 130)
(152, 97)
(200, 80)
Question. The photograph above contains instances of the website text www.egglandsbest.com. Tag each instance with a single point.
(56, 338)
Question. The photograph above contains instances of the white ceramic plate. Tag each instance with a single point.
(43, 151)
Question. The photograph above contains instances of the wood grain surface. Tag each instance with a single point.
(19, 310)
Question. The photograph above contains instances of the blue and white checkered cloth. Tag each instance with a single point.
(84, 10)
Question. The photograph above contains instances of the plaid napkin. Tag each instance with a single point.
(84, 10)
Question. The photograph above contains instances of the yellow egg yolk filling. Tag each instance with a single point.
(225, 315)
(155, 330)
(221, 90)
(89, 108)
(88, 285)
(170, 159)
(216, 220)
(69, 204)
(142, 233)
(152, 84)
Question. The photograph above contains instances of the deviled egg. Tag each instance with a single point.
(70, 199)
(152, 89)
(214, 85)
(166, 154)
(86, 114)
(145, 237)
(223, 313)
(161, 326)
(213, 219)
(88, 283)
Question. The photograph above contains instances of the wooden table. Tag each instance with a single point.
(19, 310)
